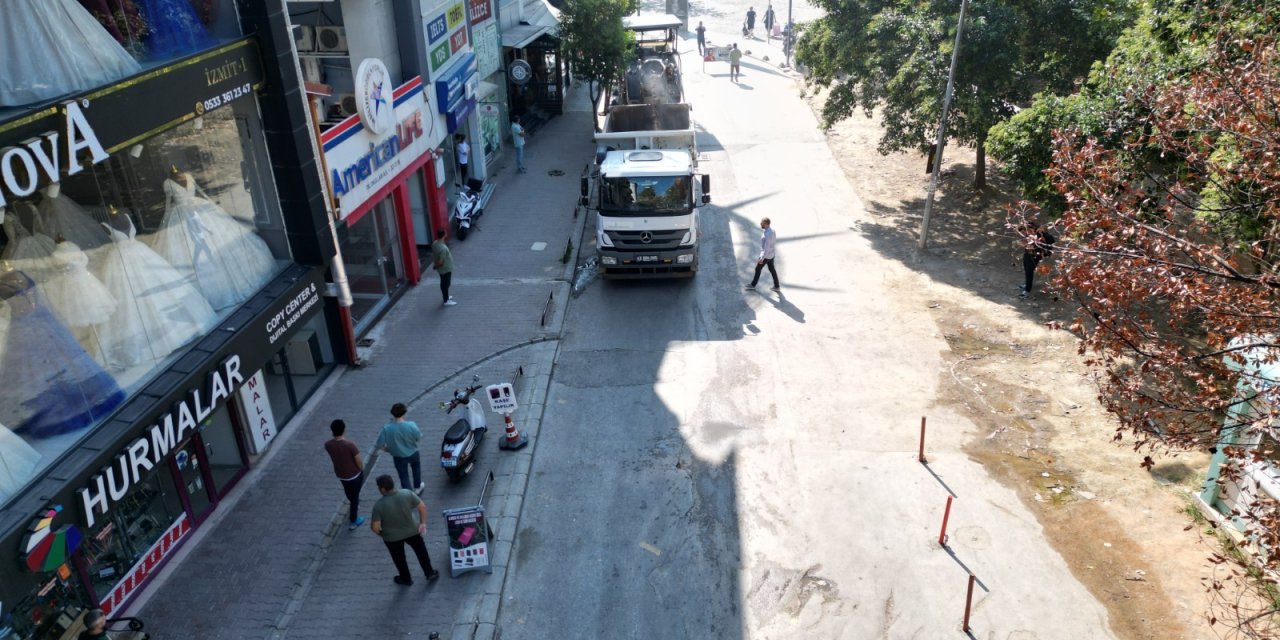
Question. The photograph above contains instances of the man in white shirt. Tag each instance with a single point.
(768, 241)
(517, 141)
(464, 156)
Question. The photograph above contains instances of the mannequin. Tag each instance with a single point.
(26, 251)
(62, 216)
(158, 309)
(78, 298)
(39, 73)
(226, 259)
(51, 384)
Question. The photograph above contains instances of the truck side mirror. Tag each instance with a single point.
(706, 198)
(706, 183)
(583, 187)
(582, 201)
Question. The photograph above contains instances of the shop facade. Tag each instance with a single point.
(160, 291)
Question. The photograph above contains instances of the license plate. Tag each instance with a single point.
(449, 462)
(646, 258)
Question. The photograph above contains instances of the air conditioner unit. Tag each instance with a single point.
(331, 39)
(304, 37)
(347, 102)
(311, 70)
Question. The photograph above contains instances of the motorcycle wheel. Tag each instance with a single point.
(454, 474)
(462, 232)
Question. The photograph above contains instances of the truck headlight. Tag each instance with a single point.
(608, 260)
(602, 239)
(688, 238)
(685, 258)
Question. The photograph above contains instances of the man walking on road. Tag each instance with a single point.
(517, 141)
(735, 58)
(394, 520)
(768, 241)
(702, 39)
(400, 438)
(349, 468)
(442, 260)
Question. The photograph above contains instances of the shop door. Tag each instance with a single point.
(193, 484)
(209, 463)
(375, 266)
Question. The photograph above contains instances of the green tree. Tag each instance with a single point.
(893, 55)
(595, 42)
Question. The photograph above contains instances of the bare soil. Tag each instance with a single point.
(1126, 533)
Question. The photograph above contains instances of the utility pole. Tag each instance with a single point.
(787, 35)
(942, 134)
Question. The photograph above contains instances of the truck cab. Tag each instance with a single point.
(646, 205)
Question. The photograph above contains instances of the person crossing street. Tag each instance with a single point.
(768, 243)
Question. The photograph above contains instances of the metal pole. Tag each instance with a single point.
(788, 30)
(942, 133)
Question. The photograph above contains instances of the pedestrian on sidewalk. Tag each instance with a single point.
(442, 261)
(349, 468)
(394, 520)
(95, 625)
(751, 22)
(400, 438)
(463, 151)
(1036, 244)
(769, 19)
(735, 58)
(702, 39)
(517, 141)
(768, 242)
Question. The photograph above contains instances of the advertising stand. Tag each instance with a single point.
(469, 536)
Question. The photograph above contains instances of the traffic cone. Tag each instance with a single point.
(514, 439)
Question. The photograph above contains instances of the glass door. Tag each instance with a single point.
(193, 485)
(375, 266)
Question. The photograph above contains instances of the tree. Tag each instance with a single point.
(596, 43)
(894, 55)
(1168, 245)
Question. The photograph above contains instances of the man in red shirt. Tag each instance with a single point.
(349, 468)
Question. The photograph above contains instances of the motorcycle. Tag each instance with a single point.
(467, 210)
(462, 441)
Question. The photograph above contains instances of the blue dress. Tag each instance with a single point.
(49, 385)
(175, 29)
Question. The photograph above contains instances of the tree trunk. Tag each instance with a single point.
(594, 97)
(980, 171)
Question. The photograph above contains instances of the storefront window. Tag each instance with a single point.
(98, 42)
(107, 277)
(117, 543)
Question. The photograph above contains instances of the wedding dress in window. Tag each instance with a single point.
(50, 48)
(61, 216)
(17, 463)
(51, 385)
(27, 252)
(78, 298)
(227, 260)
(157, 308)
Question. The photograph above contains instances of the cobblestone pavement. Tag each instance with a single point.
(277, 561)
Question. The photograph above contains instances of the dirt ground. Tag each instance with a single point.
(1124, 531)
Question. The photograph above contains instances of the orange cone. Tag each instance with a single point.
(514, 439)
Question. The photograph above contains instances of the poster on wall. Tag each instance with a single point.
(446, 32)
(490, 130)
(488, 56)
(257, 412)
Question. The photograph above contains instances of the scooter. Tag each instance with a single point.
(462, 440)
(467, 210)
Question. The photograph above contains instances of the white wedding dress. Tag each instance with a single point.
(17, 463)
(223, 256)
(51, 48)
(61, 216)
(158, 311)
(28, 252)
(78, 298)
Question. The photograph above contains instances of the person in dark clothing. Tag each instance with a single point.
(751, 21)
(1037, 243)
(95, 625)
(400, 518)
(702, 39)
(349, 468)
(769, 19)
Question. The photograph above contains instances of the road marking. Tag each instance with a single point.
(650, 548)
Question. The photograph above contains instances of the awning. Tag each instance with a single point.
(539, 18)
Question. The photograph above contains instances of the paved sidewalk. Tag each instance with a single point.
(276, 559)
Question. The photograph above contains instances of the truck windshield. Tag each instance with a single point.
(646, 195)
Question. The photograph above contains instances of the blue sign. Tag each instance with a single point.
(437, 28)
(451, 87)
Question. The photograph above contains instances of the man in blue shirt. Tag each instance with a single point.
(400, 438)
(767, 243)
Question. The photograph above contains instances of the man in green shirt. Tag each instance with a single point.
(395, 522)
(735, 59)
(442, 260)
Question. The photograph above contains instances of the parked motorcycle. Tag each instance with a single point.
(467, 210)
(462, 440)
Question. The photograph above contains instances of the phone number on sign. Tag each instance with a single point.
(226, 97)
